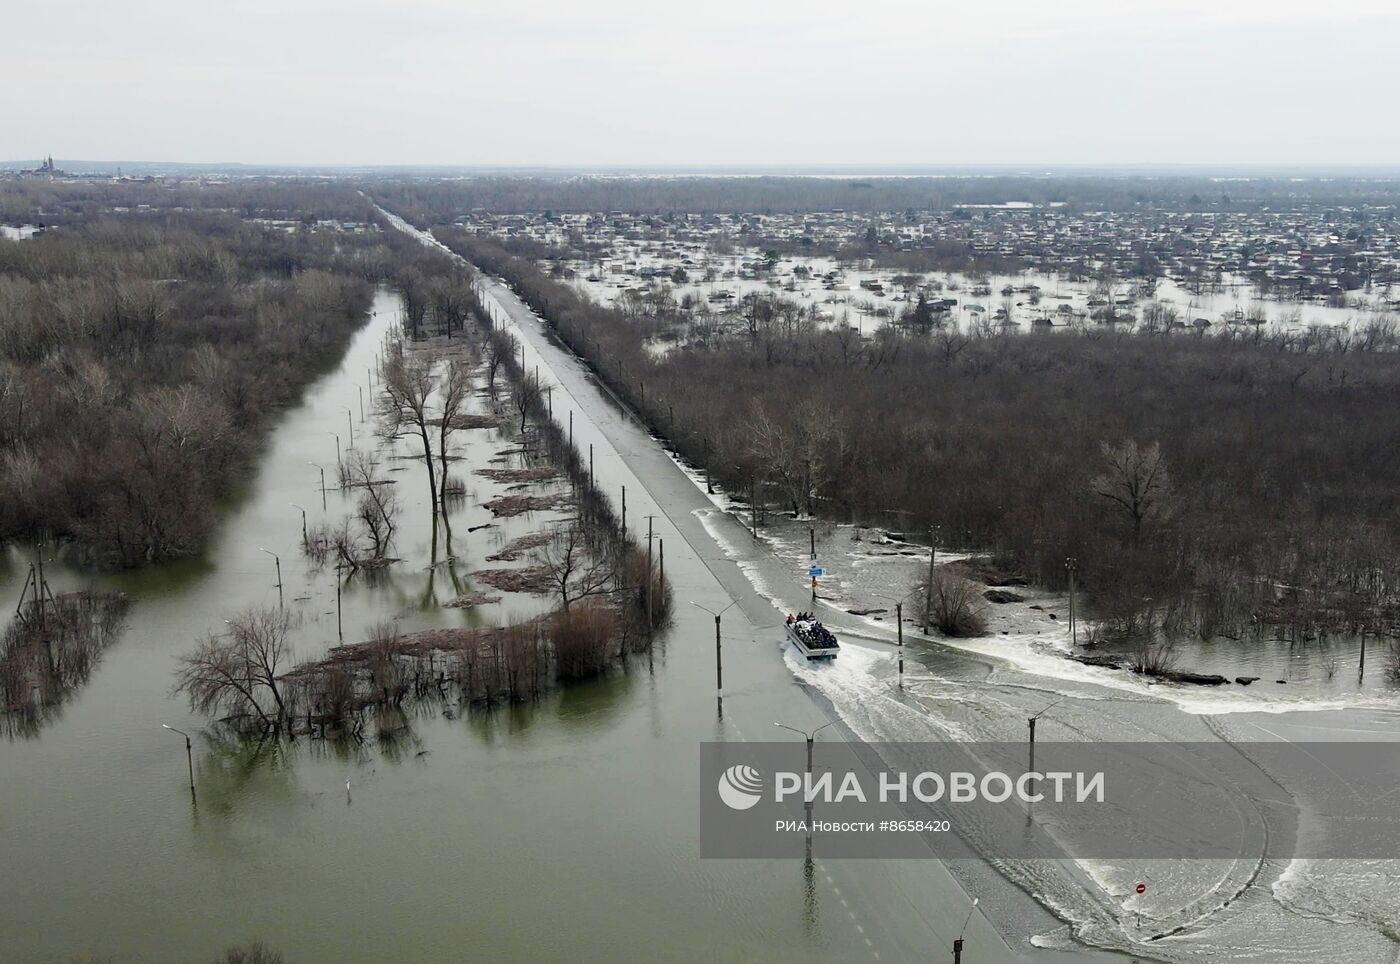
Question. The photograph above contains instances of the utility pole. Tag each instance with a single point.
(339, 626)
(571, 429)
(651, 624)
(899, 628)
(41, 588)
(624, 512)
(361, 390)
(1070, 567)
(753, 508)
(928, 597)
(23, 594)
(590, 464)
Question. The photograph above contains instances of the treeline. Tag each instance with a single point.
(60, 203)
(1217, 484)
(140, 358)
(427, 202)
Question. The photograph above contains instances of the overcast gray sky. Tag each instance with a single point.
(763, 82)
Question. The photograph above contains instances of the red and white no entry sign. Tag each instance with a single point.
(1141, 888)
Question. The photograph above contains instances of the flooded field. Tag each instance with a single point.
(866, 298)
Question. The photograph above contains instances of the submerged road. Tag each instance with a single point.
(889, 910)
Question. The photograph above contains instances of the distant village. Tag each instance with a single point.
(1214, 266)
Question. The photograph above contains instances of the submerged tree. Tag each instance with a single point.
(238, 674)
(408, 386)
(573, 565)
(453, 393)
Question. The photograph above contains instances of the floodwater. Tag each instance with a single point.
(1239, 906)
(566, 828)
(1062, 299)
(1236, 907)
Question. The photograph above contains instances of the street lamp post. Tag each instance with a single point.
(1030, 722)
(304, 540)
(958, 941)
(810, 736)
(277, 559)
(338, 459)
(189, 753)
(719, 660)
(323, 483)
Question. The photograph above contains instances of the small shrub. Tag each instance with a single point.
(582, 637)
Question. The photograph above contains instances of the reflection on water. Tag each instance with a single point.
(50, 649)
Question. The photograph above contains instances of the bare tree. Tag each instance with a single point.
(500, 345)
(452, 299)
(573, 567)
(796, 454)
(408, 386)
(956, 605)
(378, 506)
(376, 512)
(1136, 480)
(453, 393)
(526, 396)
(417, 299)
(238, 673)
